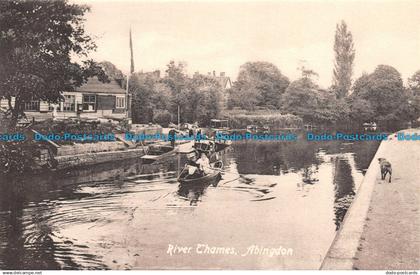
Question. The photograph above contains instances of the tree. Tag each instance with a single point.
(246, 99)
(302, 98)
(307, 100)
(258, 83)
(414, 83)
(344, 57)
(177, 80)
(414, 90)
(205, 98)
(382, 92)
(361, 110)
(142, 87)
(37, 42)
(112, 71)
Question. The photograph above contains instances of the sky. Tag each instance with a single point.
(222, 35)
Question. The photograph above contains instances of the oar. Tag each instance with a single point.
(240, 176)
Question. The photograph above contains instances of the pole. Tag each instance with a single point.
(131, 72)
(178, 117)
(126, 97)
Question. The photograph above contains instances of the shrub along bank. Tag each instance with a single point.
(273, 120)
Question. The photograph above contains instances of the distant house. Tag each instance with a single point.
(224, 82)
(94, 99)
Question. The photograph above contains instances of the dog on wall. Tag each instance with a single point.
(386, 168)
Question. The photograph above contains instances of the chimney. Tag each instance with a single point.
(222, 73)
(214, 73)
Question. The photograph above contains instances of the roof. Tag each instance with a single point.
(93, 85)
(223, 81)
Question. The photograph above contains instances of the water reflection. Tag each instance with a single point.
(123, 215)
(193, 192)
(344, 188)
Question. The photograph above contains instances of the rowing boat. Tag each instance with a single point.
(211, 178)
(156, 153)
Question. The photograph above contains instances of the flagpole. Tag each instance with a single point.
(126, 97)
(129, 74)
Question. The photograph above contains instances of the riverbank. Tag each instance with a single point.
(381, 228)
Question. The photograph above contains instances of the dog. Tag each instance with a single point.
(385, 168)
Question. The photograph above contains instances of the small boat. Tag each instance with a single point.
(209, 146)
(206, 146)
(254, 129)
(212, 178)
(159, 152)
(370, 126)
(220, 145)
(217, 125)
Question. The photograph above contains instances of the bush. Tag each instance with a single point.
(274, 121)
(16, 158)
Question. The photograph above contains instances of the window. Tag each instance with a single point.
(69, 103)
(120, 102)
(32, 105)
(89, 103)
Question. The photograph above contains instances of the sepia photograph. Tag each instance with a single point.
(140, 135)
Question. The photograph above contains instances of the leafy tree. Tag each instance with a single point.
(141, 86)
(206, 98)
(307, 73)
(157, 99)
(150, 94)
(414, 82)
(330, 110)
(37, 41)
(361, 86)
(258, 83)
(113, 72)
(414, 95)
(177, 80)
(382, 92)
(361, 110)
(302, 98)
(344, 57)
(161, 96)
(244, 98)
(307, 100)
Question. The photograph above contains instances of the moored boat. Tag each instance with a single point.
(159, 152)
(209, 146)
(220, 145)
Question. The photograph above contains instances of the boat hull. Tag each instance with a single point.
(154, 158)
(213, 178)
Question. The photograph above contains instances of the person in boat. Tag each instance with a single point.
(204, 164)
(192, 168)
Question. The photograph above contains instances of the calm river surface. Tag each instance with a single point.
(126, 215)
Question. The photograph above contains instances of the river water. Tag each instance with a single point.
(278, 206)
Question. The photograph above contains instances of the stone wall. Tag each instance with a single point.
(86, 148)
(69, 161)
